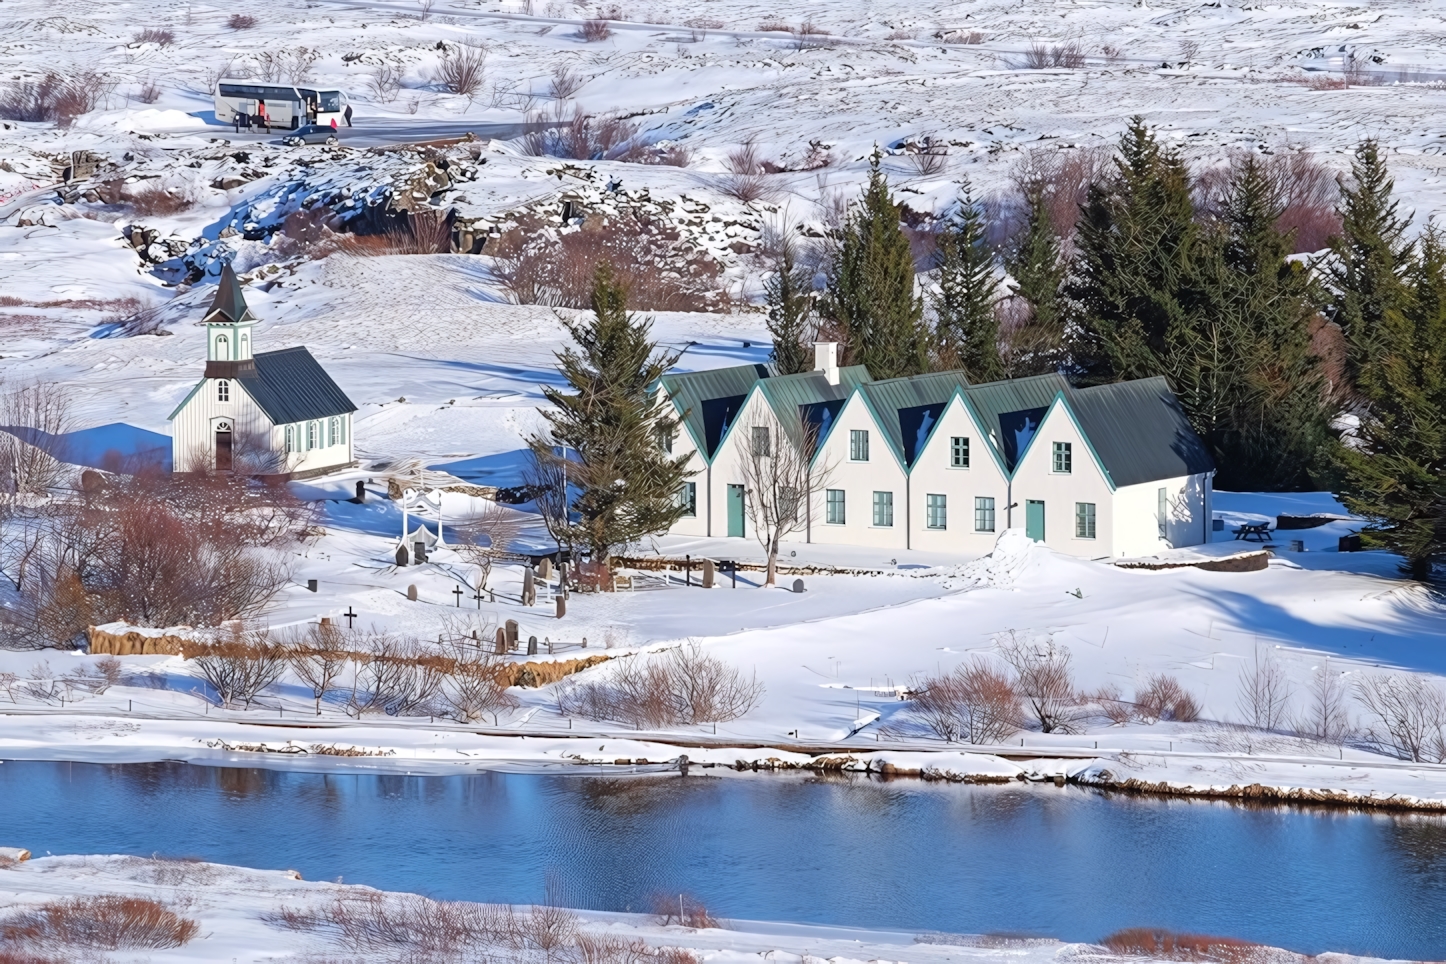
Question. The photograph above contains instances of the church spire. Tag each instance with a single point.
(229, 305)
(228, 324)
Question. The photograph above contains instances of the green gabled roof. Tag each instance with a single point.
(1007, 407)
(790, 395)
(698, 395)
(1139, 431)
(907, 409)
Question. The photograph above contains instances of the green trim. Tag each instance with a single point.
(1061, 402)
(187, 400)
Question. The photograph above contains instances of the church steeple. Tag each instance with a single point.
(228, 322)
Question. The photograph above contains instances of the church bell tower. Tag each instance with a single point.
(229, 325)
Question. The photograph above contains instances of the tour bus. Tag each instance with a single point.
(286, 106)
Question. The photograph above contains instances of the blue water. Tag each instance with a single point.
(1063, 862)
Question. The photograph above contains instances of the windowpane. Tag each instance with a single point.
(859, 445)
(688, 498)
(290, 438)
(938, 514)
(883, 508)
(223, 390)
(834, 503)
(983, 514)
(761, 442)
(1063, 457)
(1084, 520)
(311, 435)
(959, 452)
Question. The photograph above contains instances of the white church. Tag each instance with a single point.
(264, 413)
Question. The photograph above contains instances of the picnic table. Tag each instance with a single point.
(1259, 531)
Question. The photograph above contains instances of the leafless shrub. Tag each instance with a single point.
(1043, 680)
(107, 672)
(425, 230)
(294, 66)
(1063, 178)
(400, 677)
(1265, 691)
(565, 82)
(744, 159)
(1163, 698)
(1189, 49)
(154, 199)
(683, 908)
(685, 685)
(973, 704)
(34, 415)
(385, 82)
(54, 97)
(809, 35)
(106, 922)
(1113, 54)
(928, 161)
(775, 25)
(318, 659)
(901, 34)
(155, 35)
(661, 270)
(748, 188)
(967, 37)
(593, 137)
(1327, 716)
(1306, 191)
(463, 70)
(483, 539)
(239, 668)
(14, 955)
(475, 688)
(1117, 710)
(149, 93)
(1411, 712)
(425, 9)
(1069, 55)
(594, 31)
(672, 155)
(241, 21)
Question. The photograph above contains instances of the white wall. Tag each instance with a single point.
(696, 525)
(193, 438)
(933, 473)
(859, 480)
(1137, 518)
(320, 458)
(1035, 478)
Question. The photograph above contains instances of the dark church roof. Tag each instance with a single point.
(290, 386)
(228, 305)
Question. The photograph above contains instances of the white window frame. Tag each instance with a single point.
(828, 506)
(883, 506)
(1063, 456)
(223, 390)
(936, 511)
(688, 499)
(984, 505)
(955, 449)
(1085, 520)
(311, 434)
(858, 445)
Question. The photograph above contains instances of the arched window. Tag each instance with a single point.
(332, 436)
(290, 438)
(311, 435)
(223, 390)
(223, 348)
(245, 345)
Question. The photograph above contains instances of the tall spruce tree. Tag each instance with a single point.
(1395, 466)
(966, 329)
(1372, 256)
(870, 297)
(789, 292)
(627, 484)
(1036, 263)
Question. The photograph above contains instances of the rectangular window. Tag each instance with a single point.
(834, 507)
(688, 498)
(859, 445)
(883, 508)
(331, 432)
(291, 438)
(762, 444)
(1084, 520)
(223, 390)
(959, 452)
(1063, 458)
(1162, 506)
(983, 514)
(310, 436)
(938, 511)
(665, 442)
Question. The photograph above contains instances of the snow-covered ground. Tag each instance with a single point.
(240, 914)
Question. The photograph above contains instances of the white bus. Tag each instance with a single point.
(284, 105)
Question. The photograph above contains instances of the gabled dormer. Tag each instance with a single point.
(229, 323)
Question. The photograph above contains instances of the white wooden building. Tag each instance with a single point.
(932, 462)
(264, 413)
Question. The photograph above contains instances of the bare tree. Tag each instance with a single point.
(474, 688)
(1327, 714)
(1411, 712)
(973, 704)
(239, 668)
(463, 70)
(318, 659)
(385, 82)
(486, 537)
(546, 481)
(1264, 700)
(1042, 679)
(426, 8)
(780, 479)
(32, 417)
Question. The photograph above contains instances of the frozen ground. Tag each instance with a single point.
(236, 909)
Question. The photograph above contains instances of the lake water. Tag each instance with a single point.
(1063, 862)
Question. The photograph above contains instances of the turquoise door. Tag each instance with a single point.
(735, 511)
(1034, 520)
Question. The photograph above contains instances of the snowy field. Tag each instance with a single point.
(447, 373)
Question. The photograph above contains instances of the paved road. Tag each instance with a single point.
(377, 132)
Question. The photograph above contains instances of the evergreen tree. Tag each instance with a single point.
(1371, 257)
(1134, 272)
(1395, 467)
(790, 312)
(1035, 262)
(627, 484)
(870, 297)
(966, 329)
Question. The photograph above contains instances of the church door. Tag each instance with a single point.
(223, 448)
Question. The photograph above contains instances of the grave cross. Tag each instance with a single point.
(478, 596)
(457, 591)
(349, 616)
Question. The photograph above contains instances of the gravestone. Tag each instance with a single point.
(511, 634)
(561, 607)
(412, 593)
(311, 585)
(401, 555)
(709, 572)
(531, 645)
(798, 585)
(91, 482)
(361, 492)
(584, 642)
(544, 568)
(501, 641)
(419, 551)
(529, 588)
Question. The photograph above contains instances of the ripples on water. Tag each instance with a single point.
(1063, 862)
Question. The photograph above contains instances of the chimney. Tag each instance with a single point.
(825, 359)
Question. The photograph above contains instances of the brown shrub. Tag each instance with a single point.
(1306, 191)
(463, 70)
(1150, 942)
(1063, 178)
(107, 922)
(660, 270)
(973, 704)
(683, 908)
(155, 35)
(584, 137)
(154, 199)
(55, 97)
(565, 82)
(1163, 698)
(149, 93)
(682, 686)
(775, 25)
(1069, 55)
(1116, 710)
(241, 21)
(13, 956)
(593, 31)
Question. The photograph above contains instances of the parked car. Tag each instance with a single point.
(310, 134)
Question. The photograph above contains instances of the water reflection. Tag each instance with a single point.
(965, 859)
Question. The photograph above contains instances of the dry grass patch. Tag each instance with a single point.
(109, 922)
(1168, 945)
(156, 35)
